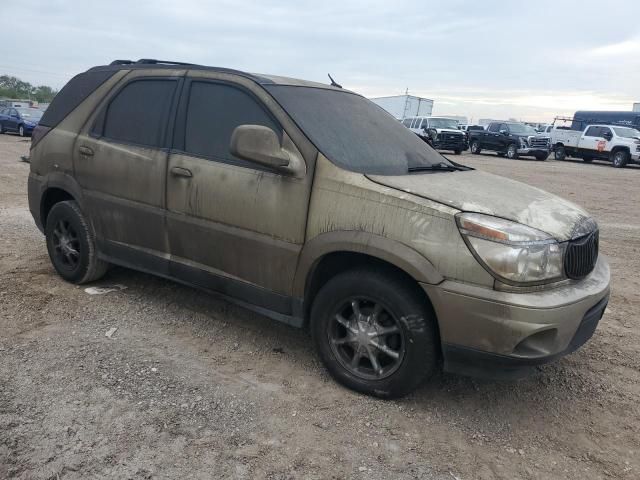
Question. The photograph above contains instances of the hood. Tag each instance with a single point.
(448, 130)
(475, 191)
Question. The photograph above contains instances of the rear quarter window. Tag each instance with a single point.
(73, 94)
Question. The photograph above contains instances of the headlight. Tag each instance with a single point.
(512, 252)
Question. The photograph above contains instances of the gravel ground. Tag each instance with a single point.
(190, 386)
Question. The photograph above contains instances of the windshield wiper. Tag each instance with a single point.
(435, 167)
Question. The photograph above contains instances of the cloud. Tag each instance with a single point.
(486, 57)
(627, 47)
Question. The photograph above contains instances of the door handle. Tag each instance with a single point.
(181, 172)
(86, 151)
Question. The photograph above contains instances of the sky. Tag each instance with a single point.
(525, 59)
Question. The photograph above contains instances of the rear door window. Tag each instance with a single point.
(494, 127)
(407, 122)
(214, 110)
(592, 132)
(139, 112)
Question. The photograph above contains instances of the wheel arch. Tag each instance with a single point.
(59, 188)
(332, 253)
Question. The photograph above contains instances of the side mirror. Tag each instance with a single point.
(504, 132)
(259, 144)
(608, 136)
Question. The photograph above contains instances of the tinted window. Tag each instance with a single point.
(139, 112)
(494, 127)
(592, 132)
(354, 132)
(213, 112)
(72, 95)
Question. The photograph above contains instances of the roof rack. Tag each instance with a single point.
(149, 61)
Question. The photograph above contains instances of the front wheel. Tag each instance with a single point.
(21, 130)
(457, 152)
(542, 156)
(620, 158)
(71, 244)
(374, 332)
(512, 151)
(560, 153)
(475, 147)
(1, 129)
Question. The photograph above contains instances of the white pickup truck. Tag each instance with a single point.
(618, 145)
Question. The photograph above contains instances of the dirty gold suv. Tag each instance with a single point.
(311, 205)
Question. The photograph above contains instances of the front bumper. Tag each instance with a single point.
(492, 333)
(533, 151)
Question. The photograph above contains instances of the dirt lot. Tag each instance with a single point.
(192, 387)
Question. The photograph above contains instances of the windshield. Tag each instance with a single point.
(353, 132)
(30, 113)
(627, 132)
(443, 123)
(520, 129)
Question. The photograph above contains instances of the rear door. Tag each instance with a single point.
(491, 137)
(120, 162)
(593, 143)
(234, 226)
(12, 120)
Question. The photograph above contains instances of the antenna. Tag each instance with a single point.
(333, 82)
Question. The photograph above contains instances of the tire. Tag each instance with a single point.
(620, 158)
(542, 156)
(512, 151)
(457, 152)
(1, 129)
(404, 356)
(21, 130)
(475, 147)
(71, 244)
(560, 153)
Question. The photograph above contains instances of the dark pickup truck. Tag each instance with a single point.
(511, 139)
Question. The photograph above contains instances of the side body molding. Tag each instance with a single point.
(391, 251)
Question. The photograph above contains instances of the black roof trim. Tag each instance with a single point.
(153, 63)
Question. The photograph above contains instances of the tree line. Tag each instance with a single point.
(12, 87)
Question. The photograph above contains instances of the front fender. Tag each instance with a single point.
(388, 250)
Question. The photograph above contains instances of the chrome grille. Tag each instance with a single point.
(581, 256)
(539, 142)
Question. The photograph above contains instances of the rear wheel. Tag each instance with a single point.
(560, 153)
(620, 158)
(71, 244)
(475, 147)
(512, 151)
(374, 332)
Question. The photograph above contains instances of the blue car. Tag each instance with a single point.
(19, 120)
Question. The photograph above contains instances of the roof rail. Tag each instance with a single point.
(121, 62)
(153, 61)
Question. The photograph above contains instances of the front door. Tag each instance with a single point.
(234, 226)
(120, 162)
